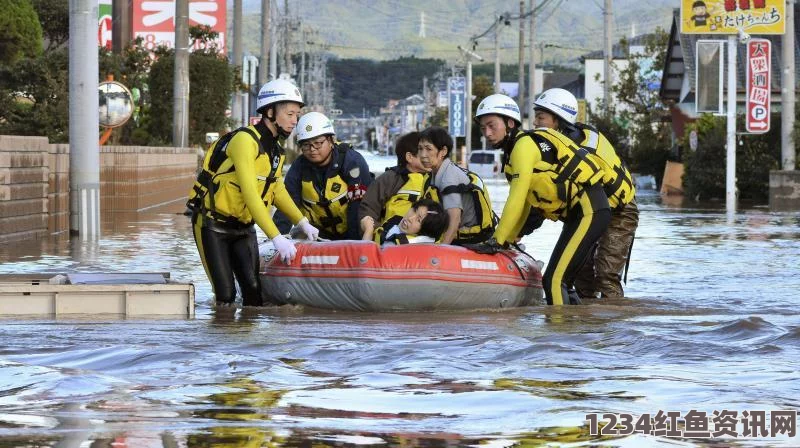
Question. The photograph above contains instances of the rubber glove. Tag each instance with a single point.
(312, 233)
(285, 248)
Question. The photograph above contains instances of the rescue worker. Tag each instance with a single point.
(602, 273)
(240, 179)
(462, 193)
(551, 174)
(392, 193)
(328, 180)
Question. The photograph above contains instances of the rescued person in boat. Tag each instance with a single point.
(240, 180)
(328, 180)
(461, 192)
(393, 193)
(548, 173)
(601, 274)
(424, 222)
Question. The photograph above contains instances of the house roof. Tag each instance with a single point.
(680, 59)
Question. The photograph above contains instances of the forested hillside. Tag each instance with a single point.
(362, 83)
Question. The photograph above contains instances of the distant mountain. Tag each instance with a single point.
(387, 29)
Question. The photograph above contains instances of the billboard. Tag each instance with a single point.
(154, 21)
(457, 97)
(730, 16)
(104, 9)
(758, 86)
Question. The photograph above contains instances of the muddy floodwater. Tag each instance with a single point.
(711, 325)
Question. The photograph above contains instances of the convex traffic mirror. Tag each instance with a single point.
(116, 104)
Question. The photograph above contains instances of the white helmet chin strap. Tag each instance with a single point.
(274, 120)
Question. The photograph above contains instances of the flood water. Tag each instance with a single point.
(711, 324)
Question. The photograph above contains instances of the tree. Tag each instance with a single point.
(36, 99)
(54, 17)
(20, 32)
(212, 83)
(636, 124)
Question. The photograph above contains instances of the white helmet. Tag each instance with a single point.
(277, 91)
(499, 104)
(313, 124)
(559, 102)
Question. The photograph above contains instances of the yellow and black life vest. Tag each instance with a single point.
(565, 170)
(216, 194)
(482, 203)
(326, 208)
(396, 206)
(617, 180)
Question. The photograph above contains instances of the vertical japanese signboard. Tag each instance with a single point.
(104, 26)
(154, 21)
(456, 93)
(730, 16)
(758, 85)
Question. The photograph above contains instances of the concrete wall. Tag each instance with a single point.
(784, 190)
(138, 178)
(34, 183)
(23, 187)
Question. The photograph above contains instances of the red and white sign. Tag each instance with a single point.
(758, 92)
(154, 21)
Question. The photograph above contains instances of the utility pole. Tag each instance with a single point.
(303, 61)
(273, 54)
(424, 99)
(265, 43)
(237, 115)
(497, 54)
(532, 66)
(468, 55)
(521, 64)
(121, 25)
(788, 162)
(608, 56)
(180, 87)
(730, 156)
(84, 147)
(287, 50)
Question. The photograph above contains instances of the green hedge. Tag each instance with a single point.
(756, 155)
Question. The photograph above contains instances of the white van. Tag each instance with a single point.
(485, 163)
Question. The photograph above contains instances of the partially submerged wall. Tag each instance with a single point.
(34, 183)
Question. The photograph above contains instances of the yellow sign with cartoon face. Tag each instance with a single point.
(730, 16)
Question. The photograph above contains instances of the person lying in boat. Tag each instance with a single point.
(424, 222)
(328, 180)
(461, 192)
(393, 193)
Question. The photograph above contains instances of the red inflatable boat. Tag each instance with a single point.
(361, 276)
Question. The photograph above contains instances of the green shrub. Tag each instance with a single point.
(212, 83)
(756, 155)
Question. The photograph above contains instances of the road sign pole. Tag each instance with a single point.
(730, 169)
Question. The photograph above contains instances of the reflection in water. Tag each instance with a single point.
(711, 323)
